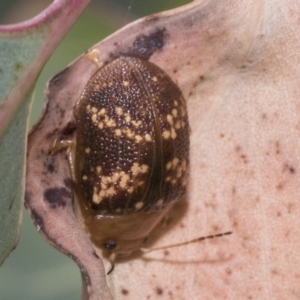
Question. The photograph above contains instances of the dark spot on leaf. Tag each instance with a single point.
(68, 130)
(277, 147)
(37, 219)
(57, 197)
(50, 168)
(57, 80)
(228, 271)
(124, 292)
(145, 45)
(18, 66)
(280, 186)
(292, 170)
(159, 291)
(263, 116)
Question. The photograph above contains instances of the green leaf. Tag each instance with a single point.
(24, 49)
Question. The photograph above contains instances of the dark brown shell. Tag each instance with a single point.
(132, 148)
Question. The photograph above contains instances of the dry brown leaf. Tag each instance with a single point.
(238, 67)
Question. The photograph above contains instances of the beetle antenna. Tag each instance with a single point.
(200, 239)
(112, 258)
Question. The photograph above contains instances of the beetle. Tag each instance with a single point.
(130, 161)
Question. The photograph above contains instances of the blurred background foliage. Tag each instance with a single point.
(35, 270)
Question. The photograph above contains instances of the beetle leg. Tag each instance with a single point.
(112, 259)
(94, 56)
(60, 145)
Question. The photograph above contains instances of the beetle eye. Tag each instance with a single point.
(110, 245)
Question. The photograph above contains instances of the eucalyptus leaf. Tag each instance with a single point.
(12, 177)
(24, 49)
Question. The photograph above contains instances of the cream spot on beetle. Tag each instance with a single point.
(170, 119)
(135, 169)
(175, 161)
(166, 134)
(177, 171)
(94, 118)
(115, 177)
(106, 179)
(87, 150)
(119, 111)
(129, 133)
(118, 132)
(124, 180)
(144, 168)
(102, 112)
(94, 110)
(178, 125)
(96, 199)
(169, 165)
(111, 191)
(130, 190)
(136, 123)
(127, 118)
(98, 169)
(160, 202)
(175, 102)
(103, 186)
(148, 137)
(140, 183)
(173, 134)
(96, 87)
(138, 138)
(110, 123)
(84, 177)
(100, 125)
(139, 205)
(174, 112)
(125, 83)
(154, 78)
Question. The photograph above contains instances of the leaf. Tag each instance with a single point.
(238, 67)
(24, 49)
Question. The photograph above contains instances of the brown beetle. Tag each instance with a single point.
(131, 157)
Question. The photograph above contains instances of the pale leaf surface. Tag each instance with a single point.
(237, 64)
